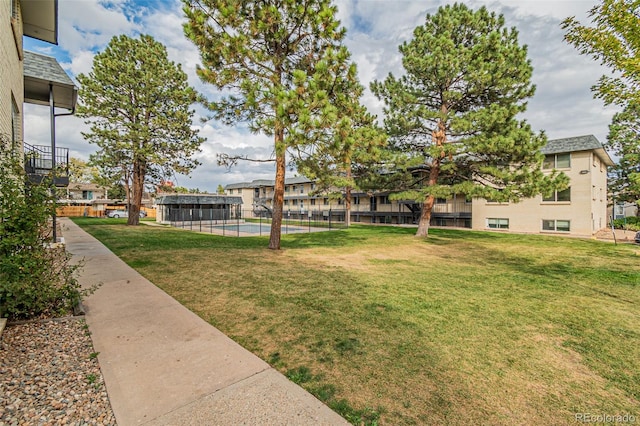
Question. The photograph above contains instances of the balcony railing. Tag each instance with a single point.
(39, 161)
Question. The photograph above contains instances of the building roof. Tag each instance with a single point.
(266, 182)
(578, 143)
(40, 19)
(239, 185)
(199, 199)
(40, 71)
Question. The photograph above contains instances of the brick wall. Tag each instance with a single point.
(12, 82)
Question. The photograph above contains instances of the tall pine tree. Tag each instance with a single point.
(137, 102)
(455, 110)
(272, 57)
(340, 157)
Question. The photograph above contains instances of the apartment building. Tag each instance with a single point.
(579, 210)
(302, 200)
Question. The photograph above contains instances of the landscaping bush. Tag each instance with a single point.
(36, 277)
(631, 223)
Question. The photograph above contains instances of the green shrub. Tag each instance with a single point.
(631, 223)
(36, 277)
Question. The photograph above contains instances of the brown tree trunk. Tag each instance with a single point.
(439, 138)
(425, 217)
(278, 194)
(137, 189)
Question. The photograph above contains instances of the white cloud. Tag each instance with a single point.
(89, 24)
(81, 63)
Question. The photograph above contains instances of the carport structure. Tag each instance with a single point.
(180, 208)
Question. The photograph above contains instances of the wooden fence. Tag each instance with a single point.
(89, 211)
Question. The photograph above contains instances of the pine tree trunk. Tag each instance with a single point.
(136, 195)
(439, 138)
(278, 195)
(425, 217)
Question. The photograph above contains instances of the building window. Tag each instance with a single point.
(325, 201)
(286, 202)
(497, 223)
(15, 123)
(557, 161)
(295, 202)
(286, 189)
(14, 9)
(356, 200)
(556, 225)
(559, 196)
(441, 201)
(384, 199)
(313, 201)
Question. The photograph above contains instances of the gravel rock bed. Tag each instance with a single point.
(49, 375)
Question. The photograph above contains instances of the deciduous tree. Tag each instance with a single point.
(273, 56)
(81, 172)
(614, 40)
(455, 110)
(624, 142)
(138, 104)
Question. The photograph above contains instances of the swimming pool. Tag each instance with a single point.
(257, 228)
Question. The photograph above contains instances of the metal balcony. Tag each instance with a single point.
(39, 161)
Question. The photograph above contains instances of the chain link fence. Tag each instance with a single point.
(239, 223)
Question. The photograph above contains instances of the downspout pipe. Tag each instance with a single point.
(52, 112)
(53, 116)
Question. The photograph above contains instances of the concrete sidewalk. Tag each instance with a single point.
(163, 365)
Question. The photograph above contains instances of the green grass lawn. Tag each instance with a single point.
(459, 328)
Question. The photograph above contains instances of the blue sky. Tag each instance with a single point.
(563, 105)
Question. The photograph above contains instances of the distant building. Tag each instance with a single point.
(579, 210)
(81, 192)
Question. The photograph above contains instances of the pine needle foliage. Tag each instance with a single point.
(455, 111)
(138, 103)
(282, 66)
